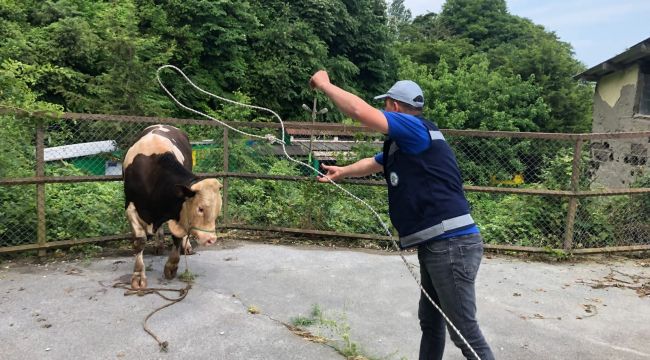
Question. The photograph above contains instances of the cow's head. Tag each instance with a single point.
(200, 209)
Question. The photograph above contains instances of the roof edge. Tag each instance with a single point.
(618, 62)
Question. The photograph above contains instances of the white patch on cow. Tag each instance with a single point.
(140, 227)
(157, 127)
(152, 144)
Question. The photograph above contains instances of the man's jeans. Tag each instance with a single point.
(448, 269)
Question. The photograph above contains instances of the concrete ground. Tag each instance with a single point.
(245, 291)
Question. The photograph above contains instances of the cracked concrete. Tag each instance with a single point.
(528, 310)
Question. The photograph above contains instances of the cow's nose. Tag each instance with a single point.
(211, 240)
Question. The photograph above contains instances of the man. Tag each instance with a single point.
(427, 206)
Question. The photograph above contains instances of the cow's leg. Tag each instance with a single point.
(171, 267)
(139, 278)
(160, 241)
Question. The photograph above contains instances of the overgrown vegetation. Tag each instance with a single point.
(479, 66)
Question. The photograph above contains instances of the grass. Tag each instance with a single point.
(187, 276)
(558, 254)
(86, 252)
(338, 331)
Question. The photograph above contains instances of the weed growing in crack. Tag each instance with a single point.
(336, 330)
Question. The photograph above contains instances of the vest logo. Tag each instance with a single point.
(394, 179)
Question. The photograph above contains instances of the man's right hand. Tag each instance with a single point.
(319, 79)
(333, 173)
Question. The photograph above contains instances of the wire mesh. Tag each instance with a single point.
(513, 161)
(613, 221)
(522, 220)
(18, 217)
(289, 195)
(84, 210)
(304, 204)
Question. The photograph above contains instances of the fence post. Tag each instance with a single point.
(225, 178)
(573, 200)
(40, 187)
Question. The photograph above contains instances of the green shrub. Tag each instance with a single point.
(82, 210)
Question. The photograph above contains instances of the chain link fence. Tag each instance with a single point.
(60, 182)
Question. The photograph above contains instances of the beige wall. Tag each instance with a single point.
(609, 88)
(617, 162)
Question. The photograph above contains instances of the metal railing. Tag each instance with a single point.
(534, 192)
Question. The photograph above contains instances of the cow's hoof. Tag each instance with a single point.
(138, 282)
(170, 271)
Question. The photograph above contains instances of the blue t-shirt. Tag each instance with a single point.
(413, 138)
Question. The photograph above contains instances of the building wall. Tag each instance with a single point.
(616, 163)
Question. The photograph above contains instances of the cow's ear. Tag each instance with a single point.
(184, 191)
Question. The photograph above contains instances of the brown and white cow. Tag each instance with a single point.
(159, 187)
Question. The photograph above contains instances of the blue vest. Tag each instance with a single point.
(425, 190)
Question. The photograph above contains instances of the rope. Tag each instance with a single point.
(202, 230)
(272, 139)
(158, 291)
(182, 293)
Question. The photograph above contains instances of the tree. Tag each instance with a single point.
(473, 96)
(369, 48)
(516, 46)
(126, 84)
(484, 22)
(17, 148)
(399, 17)
(424, 28)
(551, 62)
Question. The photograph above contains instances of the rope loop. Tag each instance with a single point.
(281, 141)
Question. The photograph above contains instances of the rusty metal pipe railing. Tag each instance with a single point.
(573, 194)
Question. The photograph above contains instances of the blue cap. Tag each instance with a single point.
(405, 91)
